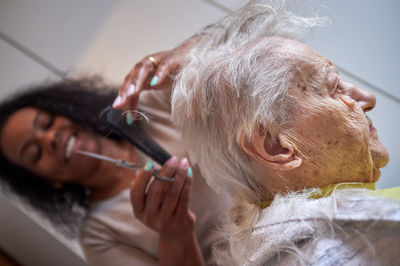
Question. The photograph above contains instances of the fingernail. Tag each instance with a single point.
(189, 172)
(117, 101)
(154, 81)
(129, 118)
(131, 89)
(172, 162)
(184, 163)
(149, 166)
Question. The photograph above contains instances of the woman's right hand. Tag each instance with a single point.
(164, 206)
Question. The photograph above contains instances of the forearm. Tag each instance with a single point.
(184, 250)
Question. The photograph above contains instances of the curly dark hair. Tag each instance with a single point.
(79, 100)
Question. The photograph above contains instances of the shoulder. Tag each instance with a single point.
(349, 226)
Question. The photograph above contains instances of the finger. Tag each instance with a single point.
(117, 104)
(145, 74)
(169, 168)
(183, 203)
(130, 95)
(140, 80)
(175, 190)
(162, 73)
(132, 102)
(138, 190)
(157, 188)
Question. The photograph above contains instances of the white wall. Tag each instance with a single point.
(108, 37)
(364, 40)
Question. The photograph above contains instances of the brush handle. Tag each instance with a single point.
(134, 133)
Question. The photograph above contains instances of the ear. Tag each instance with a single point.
(277, 153)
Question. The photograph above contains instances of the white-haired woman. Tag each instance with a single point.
(269, 121)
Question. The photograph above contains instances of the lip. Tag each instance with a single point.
(369, 121)
(371, 127)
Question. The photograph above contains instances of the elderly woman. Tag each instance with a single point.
(270, 121)
(41, 131)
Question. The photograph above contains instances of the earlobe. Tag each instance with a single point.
(277, 154)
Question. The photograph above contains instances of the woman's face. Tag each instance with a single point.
(334, 136)
(46, 144)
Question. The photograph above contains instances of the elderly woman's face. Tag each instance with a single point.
(335, 138)
(45, 145)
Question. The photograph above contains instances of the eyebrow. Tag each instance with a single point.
(28, 143)
(36, 119)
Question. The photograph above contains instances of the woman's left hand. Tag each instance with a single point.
(164, 206)
(152, 72)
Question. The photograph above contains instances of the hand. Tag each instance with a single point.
(147, 75)
(165, 206)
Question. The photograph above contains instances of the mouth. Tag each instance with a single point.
(371, 127)
(69, 147)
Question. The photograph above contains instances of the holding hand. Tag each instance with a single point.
(164, 207)
(152, 72)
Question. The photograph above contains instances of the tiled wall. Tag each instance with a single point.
(108, 37)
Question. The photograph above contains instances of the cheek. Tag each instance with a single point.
(335, 146)
(48, 170)
(89, 142)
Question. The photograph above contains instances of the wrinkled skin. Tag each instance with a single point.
(333, 135)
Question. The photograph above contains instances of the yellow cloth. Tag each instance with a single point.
(328, 189)
(392, 193)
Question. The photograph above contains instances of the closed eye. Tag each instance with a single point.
(31, 152)
(338, 88)
(43, 121)
(49, 123)
(37, 154)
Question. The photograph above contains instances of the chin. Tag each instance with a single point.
(379, 154)
(380, 157)
(376, 174)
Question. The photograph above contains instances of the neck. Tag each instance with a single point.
(109, 180)
(300, 179)
(327, 190)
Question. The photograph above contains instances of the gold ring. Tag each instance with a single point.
(152, 60)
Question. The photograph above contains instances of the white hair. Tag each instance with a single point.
(236, 80)
(346, 215)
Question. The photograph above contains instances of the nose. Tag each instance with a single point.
(366, 99)
(48, 139)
